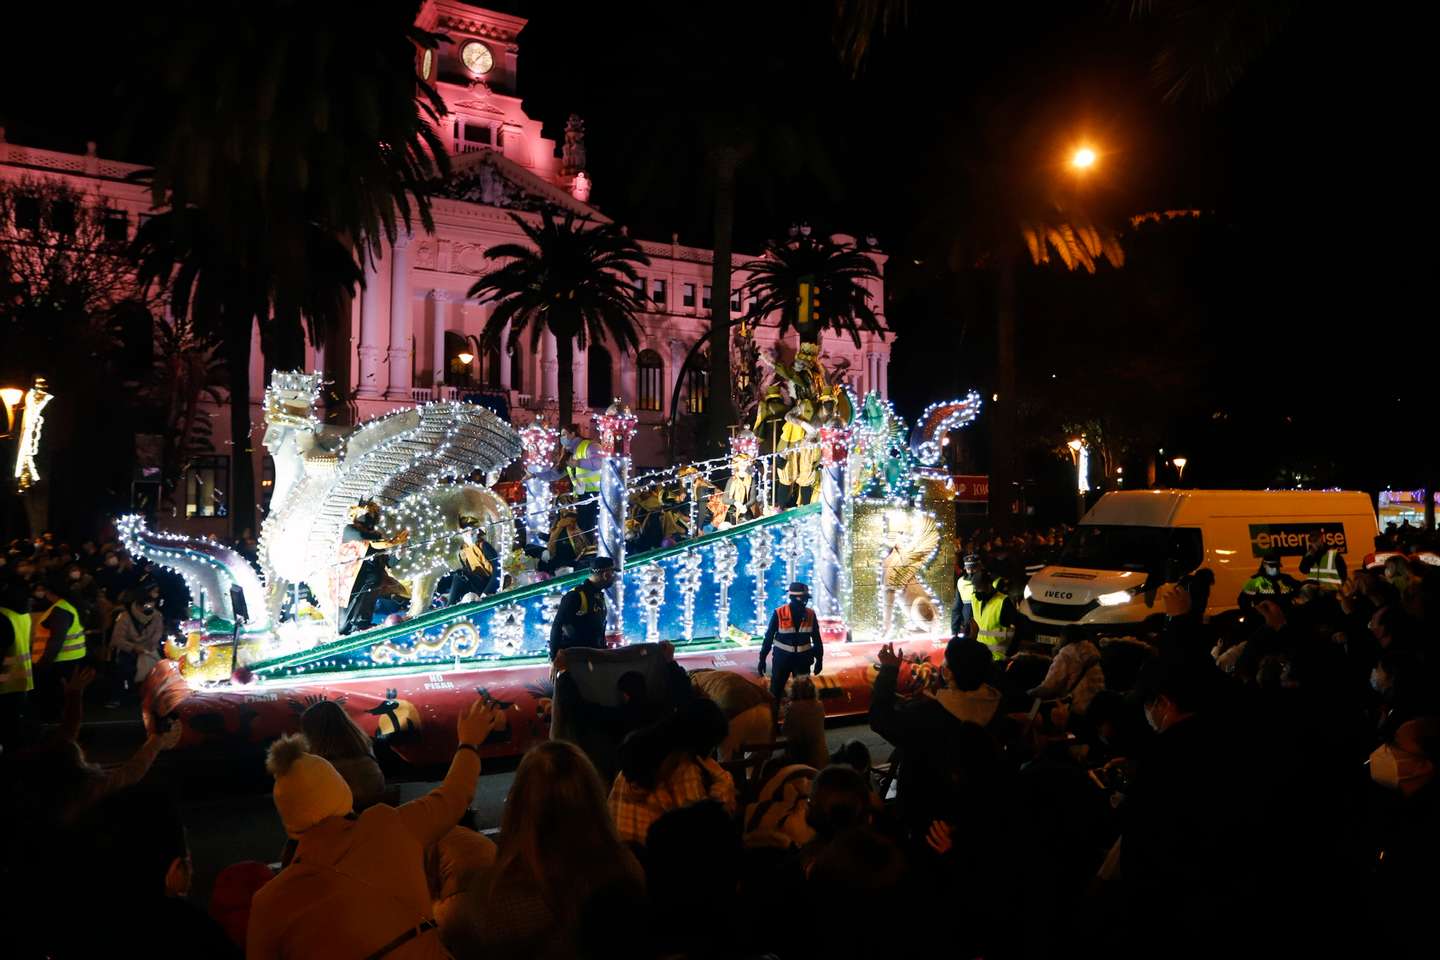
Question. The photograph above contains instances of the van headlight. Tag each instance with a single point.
(1028, 594)
(1114, 599)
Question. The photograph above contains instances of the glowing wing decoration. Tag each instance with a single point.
(912, 555)
(405, 453)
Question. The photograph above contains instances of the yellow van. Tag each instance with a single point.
(1106, 574)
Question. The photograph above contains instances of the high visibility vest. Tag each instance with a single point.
(992, 632)
(582, 479)
(1263, 584)
(1326, 570)
(966, 588)
(71, 648)
(788, 633)
(22, 670)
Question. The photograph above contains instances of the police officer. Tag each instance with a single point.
(964, 595)
(1267, 582)
(794, 632)
(1323, 564)
(993, 617)
(580, 619)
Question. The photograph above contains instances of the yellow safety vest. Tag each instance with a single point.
(22, 671)
(73, 647)
(1326, 571)
(582, 479)
(966, 588)
(992, 632)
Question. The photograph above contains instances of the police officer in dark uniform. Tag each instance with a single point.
(580, 620)
(964, 595)
(794, 632)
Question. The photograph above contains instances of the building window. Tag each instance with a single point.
(650, 377)
(207, 484)
(657, 291)
(688, 297)
(477, 133)
(598, 386)
(705, 297)
(115, 226)
(517, 370)
(62, 218)
(697, 389)
(735, 302)
(27, 213)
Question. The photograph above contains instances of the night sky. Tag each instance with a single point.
(1297, 295)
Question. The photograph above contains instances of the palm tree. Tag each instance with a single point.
(289, 143)
(836, 274)
(575, 279)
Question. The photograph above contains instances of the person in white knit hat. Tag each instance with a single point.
(357, 885)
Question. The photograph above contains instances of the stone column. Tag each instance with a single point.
(883, 362)
(672, 369)
(402, 320)
(549, 391)
(504, 357)
(580, 374)
(438, 300)
(368, 386)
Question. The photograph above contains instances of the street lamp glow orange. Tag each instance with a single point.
(1180, 466)
(465, 357)
(1083, 158)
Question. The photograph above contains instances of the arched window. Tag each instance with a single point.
(697, 389)
(599, 388)
(517, 370)
(650, 381)
(457, 371)
(492, 365)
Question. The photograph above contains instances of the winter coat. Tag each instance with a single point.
(358, 882)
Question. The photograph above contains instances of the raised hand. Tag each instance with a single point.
(477, 722)
(887, 655)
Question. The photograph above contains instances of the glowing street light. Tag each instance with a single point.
(465, 357)
(1080, 455)
(1083, 158)
(1179, 466)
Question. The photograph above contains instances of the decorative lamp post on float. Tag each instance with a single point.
(537, 443)
(616, 427)
(1080, 455)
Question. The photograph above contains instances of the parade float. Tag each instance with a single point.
(872, 535)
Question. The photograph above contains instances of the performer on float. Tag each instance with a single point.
(738, 499)
(797, 478)
(568, 546)
(479, 570)
(364, 550)
(580, 618)
(794, 632)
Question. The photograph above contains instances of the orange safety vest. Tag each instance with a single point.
(786, 624)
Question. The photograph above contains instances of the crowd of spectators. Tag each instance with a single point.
(1261, 782)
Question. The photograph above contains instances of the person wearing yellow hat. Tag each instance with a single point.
(357, 885)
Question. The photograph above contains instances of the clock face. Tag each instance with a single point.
(427, 62)
(477, 57)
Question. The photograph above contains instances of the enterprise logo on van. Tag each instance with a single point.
(1293, 539)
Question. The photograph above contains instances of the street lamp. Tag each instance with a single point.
(1179, 467)
(1083, 158)
(12, 397)
(1080, 456)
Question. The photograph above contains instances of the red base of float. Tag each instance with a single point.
(415, 713)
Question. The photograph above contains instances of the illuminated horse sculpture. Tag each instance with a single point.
(410, 463)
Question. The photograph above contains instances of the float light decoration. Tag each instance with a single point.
(938, 420)
(688, 579)
(537, 444)
(32, 421)
(616, 426)
(726, 555)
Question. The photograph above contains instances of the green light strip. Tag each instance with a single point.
(446, 615)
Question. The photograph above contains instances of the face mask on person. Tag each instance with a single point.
(1271, 570)
(74, 574)
(112, 562)
(38, 601)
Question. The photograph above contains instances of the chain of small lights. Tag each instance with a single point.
(616, 426)
(885, 464)
(208, 568)
(761, 558)
(940, 419)
(792, 548)
(290, 390)
(538, 443)
(549, 607)
(651, 597)
(507, 628)
(32, 423)
(689, 580)
(725, 554)
(830, 545)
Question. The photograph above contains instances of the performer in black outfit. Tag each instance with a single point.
(360, 611)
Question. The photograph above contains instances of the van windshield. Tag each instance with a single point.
(1096, 546)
